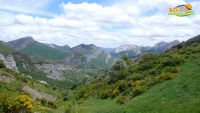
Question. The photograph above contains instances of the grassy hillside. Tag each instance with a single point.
(140, 92)
(179, 95)
(43, 51)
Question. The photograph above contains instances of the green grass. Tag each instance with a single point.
(43, 51)
(179, 95)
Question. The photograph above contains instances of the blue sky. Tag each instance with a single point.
(53, 6)
(106, 23)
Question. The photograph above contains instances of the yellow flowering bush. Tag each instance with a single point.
(20, 104)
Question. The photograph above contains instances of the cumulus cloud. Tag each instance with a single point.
(121, 22)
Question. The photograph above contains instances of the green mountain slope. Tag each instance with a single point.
(29, 46)
(81, 56)
(43, 51)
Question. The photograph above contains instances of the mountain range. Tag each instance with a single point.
(134, 51)
(51, 62)
(29, 46)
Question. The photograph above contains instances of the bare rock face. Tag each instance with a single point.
(38, 94)
(53, 71)
(9, 61)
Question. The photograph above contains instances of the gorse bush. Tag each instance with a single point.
(106, 93)
(21, 104)
(121, 99)
(172, 60)
(139, 90)
(82, 93)
(165, 76)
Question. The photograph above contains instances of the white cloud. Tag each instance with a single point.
(107, 26)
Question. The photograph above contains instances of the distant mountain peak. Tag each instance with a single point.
(126, 47)
(163, 46)
(28, 38)
(21, 43)
(163, 43)
(86, 46)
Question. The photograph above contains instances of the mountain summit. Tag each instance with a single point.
(21, 43)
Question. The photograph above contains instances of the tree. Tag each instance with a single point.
(119, 71)
(119, 65)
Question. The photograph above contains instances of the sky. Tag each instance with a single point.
(105, 23)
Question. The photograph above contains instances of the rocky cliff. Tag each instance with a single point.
(9, 61)
(53, 71)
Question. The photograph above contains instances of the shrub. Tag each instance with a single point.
(43, 101)
(52, 104)
(178, 59)
(164, 76)
(128, 92)
(167, 61)
(148, 57)
(154, 71)
(121, 99)
(144, 66)
(172, 60)
(21, 104)
(115, 92)
(135, 76)
(139, 82)
(3, 98)
(122, 85)
(82, 93)
(139, 90)
(104, 94)
(149, 81)
(170, 70)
